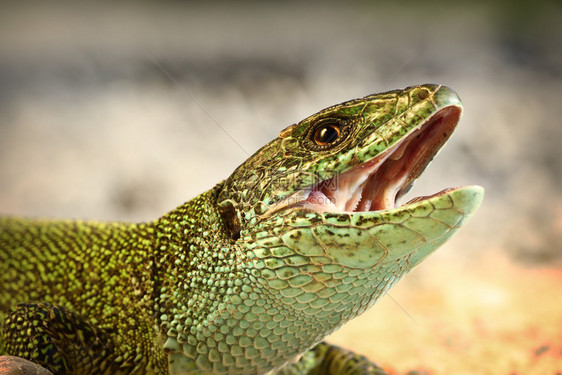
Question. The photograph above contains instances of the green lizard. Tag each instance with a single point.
(250, 276)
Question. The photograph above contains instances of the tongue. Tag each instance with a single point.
(382, 187)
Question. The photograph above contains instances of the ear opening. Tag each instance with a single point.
(230, 220)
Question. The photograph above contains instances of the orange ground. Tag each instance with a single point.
(490, 317)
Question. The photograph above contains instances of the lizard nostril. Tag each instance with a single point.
(423, 94)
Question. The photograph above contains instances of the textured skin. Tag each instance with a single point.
(236, 280)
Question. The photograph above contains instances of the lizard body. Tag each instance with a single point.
(250, 276)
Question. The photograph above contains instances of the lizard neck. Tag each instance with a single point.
(219, 306)
(198, 268)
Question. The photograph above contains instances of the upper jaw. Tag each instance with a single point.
(378, 183)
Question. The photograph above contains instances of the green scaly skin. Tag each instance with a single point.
(242, 279)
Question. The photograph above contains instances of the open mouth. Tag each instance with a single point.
(379, 183)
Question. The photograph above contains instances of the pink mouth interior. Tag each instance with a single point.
(378, 183)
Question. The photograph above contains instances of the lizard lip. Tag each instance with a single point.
(379, 183)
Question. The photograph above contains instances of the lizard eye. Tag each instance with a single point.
(326, 134)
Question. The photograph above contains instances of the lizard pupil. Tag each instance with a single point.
(326, 134)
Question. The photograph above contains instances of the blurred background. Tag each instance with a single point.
(124, 110)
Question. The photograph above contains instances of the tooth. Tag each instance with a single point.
(398, 153)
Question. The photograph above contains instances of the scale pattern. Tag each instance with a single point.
(236, 280)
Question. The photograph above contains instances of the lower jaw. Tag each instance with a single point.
(464, 199)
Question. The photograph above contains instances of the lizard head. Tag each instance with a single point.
(316, 209)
